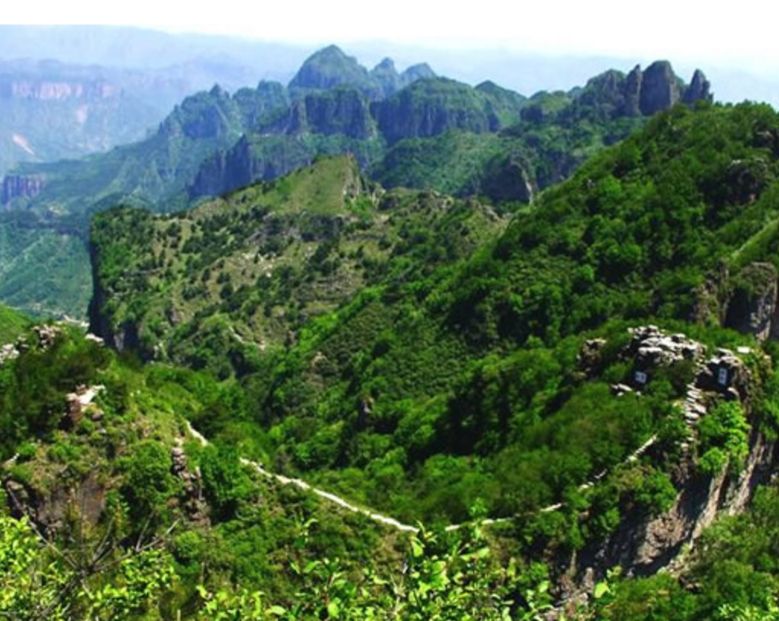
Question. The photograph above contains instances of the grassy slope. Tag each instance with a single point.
(12, 324)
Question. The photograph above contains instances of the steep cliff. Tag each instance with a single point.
(20, 187)
(644, 543)
(433, 106)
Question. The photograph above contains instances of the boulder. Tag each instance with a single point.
(651, 347)
(589, 358)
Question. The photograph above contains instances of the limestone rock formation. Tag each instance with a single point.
(194, 504)
(651, 347)
(20, 186)
(698, 90)
(660, 88)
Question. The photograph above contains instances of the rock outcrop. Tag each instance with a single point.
(644, 544)
(660, 88)
(651, 347)
(752, 307)
(17, 186)
(643, 92)
(698, 90)
(431, 107)
(193, 502)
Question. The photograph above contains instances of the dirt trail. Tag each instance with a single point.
(385, 519)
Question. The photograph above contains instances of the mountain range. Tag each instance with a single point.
(370, 344)
(405, 129)
(577, 384)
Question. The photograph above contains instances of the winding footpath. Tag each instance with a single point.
(386, 520)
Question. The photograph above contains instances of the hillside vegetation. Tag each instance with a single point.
(411, 129)
(431, 390)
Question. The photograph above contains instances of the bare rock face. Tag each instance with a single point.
(752, 307)
(632, 91)
(698, 90)
(51, 510)
(20, 186)
(659, 88)
(194, 503)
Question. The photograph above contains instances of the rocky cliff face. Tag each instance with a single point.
(47, 90)
(644, 544)
(209, 115)
(644, 92)
(431, 107)
(247, 162)
(746, 300)
(258, 105)
(342, 111)
(659, 88)
(20, 186)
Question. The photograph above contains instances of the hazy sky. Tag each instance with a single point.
(739, 33)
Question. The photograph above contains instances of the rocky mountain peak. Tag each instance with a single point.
(644, 92)
(699, 89)
(388, 77)
(420, 71)
(386, 65)
(659, 88)
(331, 67)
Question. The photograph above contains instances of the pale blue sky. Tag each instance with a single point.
(738, 34)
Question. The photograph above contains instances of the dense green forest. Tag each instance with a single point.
(141, 520)
(504, 378)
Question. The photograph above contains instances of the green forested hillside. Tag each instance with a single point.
(143, 521)
(633, 235)
(219, 285)
(436, 362)
(455, 374)
(409, 129)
